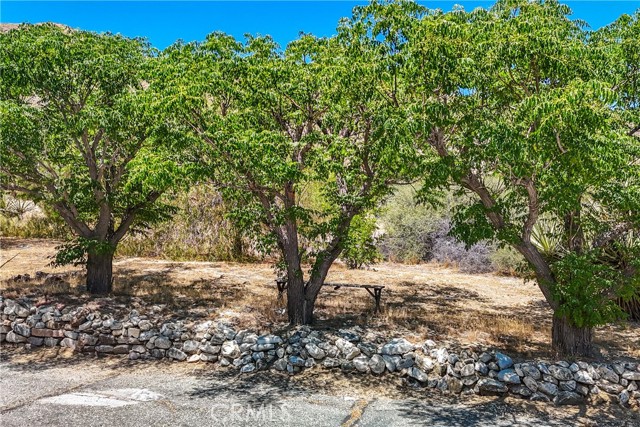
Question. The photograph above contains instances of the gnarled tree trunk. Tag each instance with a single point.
(567, 339)
(100, 272)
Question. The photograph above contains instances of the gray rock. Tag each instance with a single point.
(567, 385)
(269, 339)
(139, 349)
(508, 376)
(296, 361)
(561, 373)
(548, 388)
(190, 346)
(249, 367)
(481, 368)
(230, 349)
(377, 364)
(280, 364)
(574, 367)
(487, 387)
(467, 370)
(417, 374)
(608, 374)
(391, 362)
(193, 358)
(531, 383)
(211, 349)
(442, 356)
(426, 363)
(611, 388)
(121, 349)
(531, 371)
(15, 338)
(36, 342)
(361, 363)
(331, 362)
(51, 341)
(582, 389)
(568, 398)
(631, 375)
(454, 385)
(397, 346)
(104, 349)
(522, 391)
(207, 357)
(22, 329)
(539, 397)
(68, 343)
(71, 334)
(315, 351)
(504, 361)
(162, 342)
(176, 354)
(583, 377)
(485, 357)
(623, 397)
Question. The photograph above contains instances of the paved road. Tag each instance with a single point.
(81, 392)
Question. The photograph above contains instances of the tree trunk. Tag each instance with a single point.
(99, 272)
(299, 305)
(570, 340)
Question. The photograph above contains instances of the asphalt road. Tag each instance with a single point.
(82, 392)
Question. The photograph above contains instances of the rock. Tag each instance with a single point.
(296, 361)
(190, 346)
(560, 373)
(35, 341)
(454, 385)
(269, 339)
(608, 374)
(121, 349)
(583, 377)
(567, 385)
(631, 375)
(315, 351)
(582, 389)
(22, 329)
(208, 348)
(610, 387)
(71, 334)
(249, 367)
(377, 364)
(331, 362)
(425, 363)
(467, 370)
(417, 374)
(230, 349)
(139, 349)
(68, 343)
(15, 338)
(104, 349)
(539, 397)
(361, 363)
(193, 358)
(206, 357)
(145, 325)
(442, 355)
(568, 398)
(174, 353)
(281, 364)
(162, 342)
(531, 383)
(487, 387)
(44, 333)
(391, 362)
(481, 367)
(51, 342)
(531, 371)
(574, 367)
(397, 346)
(485, 357)
(548, 388)
(522, 391)
(504, 361)
(623, 397)
(508, 376)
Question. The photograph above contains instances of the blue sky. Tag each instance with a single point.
(166, 21)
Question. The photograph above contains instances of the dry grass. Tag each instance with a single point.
(419, 301)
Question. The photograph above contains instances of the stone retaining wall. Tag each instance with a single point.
(425, 364)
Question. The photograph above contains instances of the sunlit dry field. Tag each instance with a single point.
(420, 301)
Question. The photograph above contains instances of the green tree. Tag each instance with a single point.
(519, 117)
(274, 124)
(78, 135)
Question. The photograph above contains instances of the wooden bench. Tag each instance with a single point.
(374, 290)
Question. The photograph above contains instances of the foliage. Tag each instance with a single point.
(359, 247)
(79, 130)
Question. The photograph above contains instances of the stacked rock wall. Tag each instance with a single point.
(150, 336)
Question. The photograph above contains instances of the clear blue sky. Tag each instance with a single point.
(166, 21)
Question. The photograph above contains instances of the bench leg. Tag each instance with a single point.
(377, 296)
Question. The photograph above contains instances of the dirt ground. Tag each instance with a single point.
(419, 301)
